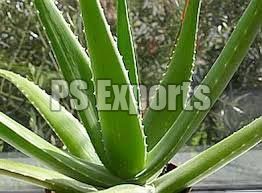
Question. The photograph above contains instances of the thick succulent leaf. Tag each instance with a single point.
(129, 189)
(120, 129)
(74, 63)
(211, 160)
(126, 45)
(67, 127)
(179, 72)
(42, 177)
(34, 146)
(217, 79)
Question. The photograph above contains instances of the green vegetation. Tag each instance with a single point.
(107, 150)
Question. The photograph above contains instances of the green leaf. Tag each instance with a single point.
(121, 130)
(129, 189)
(217, 80)
(42, 177)
(66, 126)
(34, 146)
(179, 72)
(126, 45)
(210, 160)
(74, 63)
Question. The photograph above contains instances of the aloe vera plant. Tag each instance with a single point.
(117, 150)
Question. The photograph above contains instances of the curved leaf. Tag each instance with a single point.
(120, 129)
(210, 160)
(126, 45)
(74, 63)
(42, 177)
(217, 80)
(34, 146)
(66, 126)
(179, 72)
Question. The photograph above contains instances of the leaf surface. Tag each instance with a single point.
(74, 64)
(216, 80)
(129, 189)
(179, 73)
(66, 126)
(126, 45)
(34, 146)
(122, 132)
(42, 177)
(210, 160)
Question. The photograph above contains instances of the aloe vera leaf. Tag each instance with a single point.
(42, 177)
(210, 160)
(66, 126)
(217, 79)
(126, 45)
(179, 71)
(34, 146)
(74, 64)
(129, 189)
(120, 129)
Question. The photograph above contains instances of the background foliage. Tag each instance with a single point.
(24, 49)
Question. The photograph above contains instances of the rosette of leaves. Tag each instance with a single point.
(108, 151)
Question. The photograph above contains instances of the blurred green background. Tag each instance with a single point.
(25, 50)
